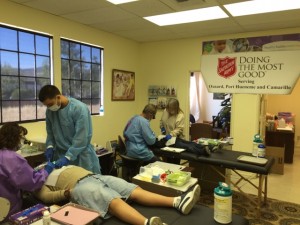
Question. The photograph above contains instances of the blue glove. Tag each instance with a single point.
(168, 137)
(49, 154)
(49, 167)
(163, 130)
(63, 161)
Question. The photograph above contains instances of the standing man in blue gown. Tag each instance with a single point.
(69, 130)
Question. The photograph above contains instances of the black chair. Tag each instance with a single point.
(201, 130)
(130, 166)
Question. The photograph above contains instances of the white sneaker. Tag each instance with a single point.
(155, 221)
(188, 200)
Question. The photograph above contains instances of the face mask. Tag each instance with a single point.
(54, 107)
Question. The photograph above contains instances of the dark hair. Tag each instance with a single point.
(48, 92)
(10, 135)
(150, 108)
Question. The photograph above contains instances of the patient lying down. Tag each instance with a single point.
(109, 195)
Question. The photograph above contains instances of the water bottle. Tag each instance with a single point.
(46, 218)
(223, 203)
(101, 111)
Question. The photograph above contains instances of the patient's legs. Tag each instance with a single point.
(144, 197)
(125, 212)
(183, 203)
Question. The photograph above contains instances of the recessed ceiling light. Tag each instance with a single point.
(261, 6)
(189, 16)
(117, 2)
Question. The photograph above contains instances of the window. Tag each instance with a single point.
(81, 69)
(25, 66)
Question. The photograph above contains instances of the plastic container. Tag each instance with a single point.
(101, 111)
(223, 204)
(256, 142)
(261, 151)
(178, 178)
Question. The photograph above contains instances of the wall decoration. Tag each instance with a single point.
(123, 85)
(159, 94)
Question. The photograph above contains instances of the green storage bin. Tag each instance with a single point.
(178, 178)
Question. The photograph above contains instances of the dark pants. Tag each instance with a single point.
(190, 146)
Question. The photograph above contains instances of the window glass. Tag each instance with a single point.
(25, 67)
(27, 62)
(81, 73)
(8, 39)
(26, 42)
(9, 63)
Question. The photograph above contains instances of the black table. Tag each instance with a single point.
(228, 159)
(173, 217)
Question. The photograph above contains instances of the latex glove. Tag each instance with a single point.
(49, 154)
(168, 137)
(163, 130)
(49, 167)
(63, 161)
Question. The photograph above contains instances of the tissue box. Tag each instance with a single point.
(29, 215)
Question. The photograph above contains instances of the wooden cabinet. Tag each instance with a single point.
(282, 139)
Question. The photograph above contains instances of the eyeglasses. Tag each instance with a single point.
(153, 115)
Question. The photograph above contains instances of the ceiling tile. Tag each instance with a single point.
(126, 20)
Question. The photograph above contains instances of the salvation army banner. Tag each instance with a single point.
(260, 65)
(251, 72)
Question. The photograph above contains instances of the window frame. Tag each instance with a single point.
(28, 82)
(73, 74)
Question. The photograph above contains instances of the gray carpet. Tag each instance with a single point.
(275, 212)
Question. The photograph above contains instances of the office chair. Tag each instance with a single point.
(4, 208)
(130, 166)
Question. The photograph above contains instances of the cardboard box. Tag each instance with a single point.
(278, 154)
(28, 216)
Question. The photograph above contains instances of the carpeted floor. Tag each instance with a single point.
(274, 213)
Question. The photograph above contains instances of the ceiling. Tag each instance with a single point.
(126, 20)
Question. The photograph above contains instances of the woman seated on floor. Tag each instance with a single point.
(108, 195)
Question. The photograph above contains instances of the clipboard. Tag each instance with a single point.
(252, 160)
(73, 214)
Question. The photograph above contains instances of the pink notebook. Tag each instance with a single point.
(74, 215)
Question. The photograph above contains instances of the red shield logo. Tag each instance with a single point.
(226, 66)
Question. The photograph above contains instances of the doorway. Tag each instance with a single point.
(203, 106)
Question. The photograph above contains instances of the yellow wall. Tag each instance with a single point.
(287, 103)
(157, 63)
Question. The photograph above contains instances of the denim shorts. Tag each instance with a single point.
(97, 191)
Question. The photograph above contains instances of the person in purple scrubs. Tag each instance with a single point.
(15, 173)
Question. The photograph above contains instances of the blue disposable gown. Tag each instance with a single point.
(138, 136)
(69, 131)
(16, 175)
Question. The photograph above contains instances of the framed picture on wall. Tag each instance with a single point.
(123, 85)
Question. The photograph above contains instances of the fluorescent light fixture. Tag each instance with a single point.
(117, 2)
(189, 16)
(261, 6)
